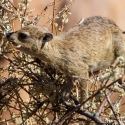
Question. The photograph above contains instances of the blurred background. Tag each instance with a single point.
(113, 9)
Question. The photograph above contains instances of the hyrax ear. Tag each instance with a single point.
(47, 37)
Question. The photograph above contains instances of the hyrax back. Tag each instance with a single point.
(89, 46)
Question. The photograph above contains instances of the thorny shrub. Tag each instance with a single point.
(42, 83)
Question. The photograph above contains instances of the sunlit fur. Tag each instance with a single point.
(89, 46)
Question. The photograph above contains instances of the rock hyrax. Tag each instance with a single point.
(91, 45)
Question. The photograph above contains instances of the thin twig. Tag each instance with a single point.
(42, 13)
(90, 97)
(12, 5)
(102, 105)
(93, 117)
(53, 20)
(6, 9)
(112, 108)
(5, 57)
(67, 6)
(24, 12)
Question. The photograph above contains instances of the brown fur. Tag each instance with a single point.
(89, 46)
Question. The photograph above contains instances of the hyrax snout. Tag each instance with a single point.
(89, 46)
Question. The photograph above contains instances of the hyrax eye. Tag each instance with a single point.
(22, 36)
(47, 37)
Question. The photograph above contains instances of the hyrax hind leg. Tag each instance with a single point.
(83, 77)
(83, 86)
(83, 89)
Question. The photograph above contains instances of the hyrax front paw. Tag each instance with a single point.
(67, 87)
(65, 92)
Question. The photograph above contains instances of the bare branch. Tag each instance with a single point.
(112, 108)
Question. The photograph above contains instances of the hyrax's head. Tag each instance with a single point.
(30, 39)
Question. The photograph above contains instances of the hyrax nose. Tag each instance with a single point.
(9, 34)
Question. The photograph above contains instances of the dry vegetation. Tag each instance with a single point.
(44, 105)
